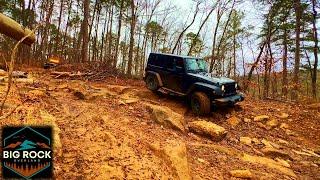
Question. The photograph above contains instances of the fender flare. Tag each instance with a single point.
(207, 88)
(157, 75)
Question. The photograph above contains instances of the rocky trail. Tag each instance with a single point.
(117, 129)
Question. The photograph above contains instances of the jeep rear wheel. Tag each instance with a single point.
(152, 83)
(200, 103)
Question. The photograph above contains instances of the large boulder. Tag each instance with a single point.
(261, 118)
(283, 115)
(166, 117)
(270, 163)
(272, 123)
(246, 140)
(175, 152)
(208, 129)
(276, 153)
(245, 174)
(233, 121)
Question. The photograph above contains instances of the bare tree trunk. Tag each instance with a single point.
(234, 55)
(213, 58)
(85, 33)
(225, 28)
(110, 59)
(58, 39)
(184, 30)
(315, 50)
(103, 36)
(44, 38)
(297, 7)
(119, 34)
(200, 28)
(284, 64)
(132, 28)
(66, 29)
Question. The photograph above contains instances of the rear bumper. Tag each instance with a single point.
(230, 100)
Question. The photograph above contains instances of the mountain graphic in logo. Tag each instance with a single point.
(27, 145)
(13, 145)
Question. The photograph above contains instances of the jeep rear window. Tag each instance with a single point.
(161, 60)
(196, 65)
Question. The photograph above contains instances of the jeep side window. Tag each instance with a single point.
(179, 63)
(169, 62)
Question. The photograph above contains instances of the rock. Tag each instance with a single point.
(290, 133)
(315, 106)
(269, 144)
(3, 72)
(272, 123)
(36, 93)
(263, 126)
(256, 141)
(81, 131)
(246, 140)
(283, 116)
(245, 174)
(79, 95)
(19, 74)
(117, 88)
(317, 151)
(261, 118)
(283, 162)
(104, 93)
(25, 80)
(108, 137)
(268, 163)
(208, 129)
(201, 160)
(216, 147)
(281, 141)
(275, 153)
(233, 121)
(305, 152)
(247, 120)
(109, 172)
(166, 117)
(308, 164)
(284, 126)
(174, 151)
(128, 101)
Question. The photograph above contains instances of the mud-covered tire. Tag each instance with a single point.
(200, 103)
(152, 83)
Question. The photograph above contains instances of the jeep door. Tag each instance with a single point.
(167, 63)
(176, 77)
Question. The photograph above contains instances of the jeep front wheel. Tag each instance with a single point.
(200, 103)
(152, 83)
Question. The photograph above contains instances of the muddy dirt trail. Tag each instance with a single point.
(117, 129)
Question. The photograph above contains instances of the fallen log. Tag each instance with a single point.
(59, 75)
(14, 30)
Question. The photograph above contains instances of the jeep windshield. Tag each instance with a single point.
(196, 65)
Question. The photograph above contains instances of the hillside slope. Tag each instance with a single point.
(118, 129)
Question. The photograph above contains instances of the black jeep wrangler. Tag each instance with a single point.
(189, 77)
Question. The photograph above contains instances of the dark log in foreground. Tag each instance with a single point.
(14, 30)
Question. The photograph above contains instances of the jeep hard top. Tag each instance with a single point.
(189, 77)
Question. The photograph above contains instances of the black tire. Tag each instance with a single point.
(152, 83)
(200, 103)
